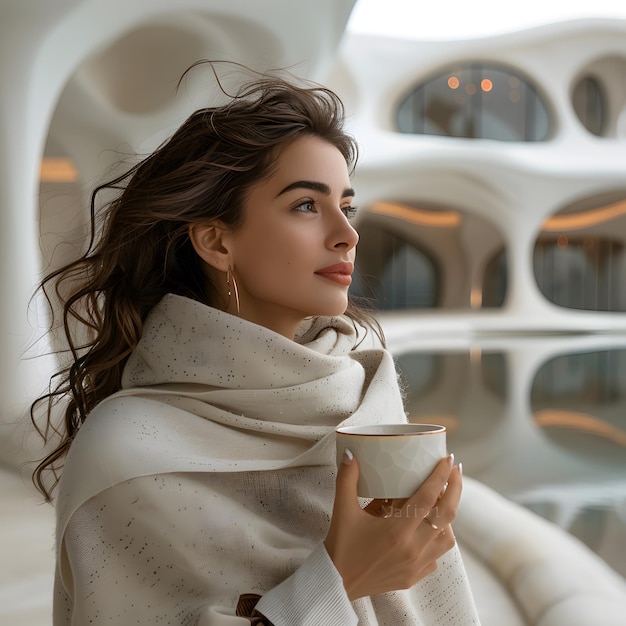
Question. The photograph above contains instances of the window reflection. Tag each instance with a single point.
(562, 453)
(579, 401)
(464, 391)
(476, 101)
(494, 374)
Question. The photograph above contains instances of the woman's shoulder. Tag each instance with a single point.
(123, 438)
(132, 435)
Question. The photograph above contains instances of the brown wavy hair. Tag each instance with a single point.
(139, 248)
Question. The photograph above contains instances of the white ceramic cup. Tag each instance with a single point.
(394, 459)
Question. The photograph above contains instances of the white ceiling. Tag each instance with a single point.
(459, 19)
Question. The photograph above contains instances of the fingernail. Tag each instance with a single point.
(461, 469)
(451, 460)
(347, 457)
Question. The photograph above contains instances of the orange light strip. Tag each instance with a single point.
(57, 170)
(476, 297)
(580, 421)
(439, 219)
(585, 219)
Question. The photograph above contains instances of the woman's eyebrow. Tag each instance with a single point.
(315, 186)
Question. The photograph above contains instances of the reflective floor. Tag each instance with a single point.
(541, 419)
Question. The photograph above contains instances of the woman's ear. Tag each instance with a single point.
(208, 242)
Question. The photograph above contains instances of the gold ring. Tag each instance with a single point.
(433, 526)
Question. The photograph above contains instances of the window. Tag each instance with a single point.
(476, 102)
(495, 281)
(580, 255)
(424, 257)
(396, 274)
(590, 104)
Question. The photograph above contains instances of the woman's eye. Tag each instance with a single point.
(305, 207)
(350, 211)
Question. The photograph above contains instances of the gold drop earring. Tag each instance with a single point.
(231, 285)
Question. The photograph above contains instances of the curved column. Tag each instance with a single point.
(22, 126)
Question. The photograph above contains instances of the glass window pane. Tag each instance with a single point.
(394, 273)
(475, 101)
(589, 103)
(415, 257)
(580, 255)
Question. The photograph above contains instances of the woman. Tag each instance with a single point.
(199, 484)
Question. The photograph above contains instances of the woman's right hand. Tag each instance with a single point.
(375, 553)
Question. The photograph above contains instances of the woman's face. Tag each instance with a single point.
(294, 253)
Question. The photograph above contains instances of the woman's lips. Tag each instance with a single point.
(339, 273)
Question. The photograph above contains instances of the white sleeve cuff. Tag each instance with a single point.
(314, 594)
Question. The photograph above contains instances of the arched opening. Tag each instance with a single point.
(419, 256)
(580, 255)
(476, 101)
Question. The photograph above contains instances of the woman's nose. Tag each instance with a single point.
(343, 234)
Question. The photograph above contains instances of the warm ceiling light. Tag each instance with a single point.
(476, 354)
(57, 170)
(453, 82)
(486, 84)
(476, 297)
(514, 82)
(439, 219)
(580, 421)
(515, 97)
(584, 219)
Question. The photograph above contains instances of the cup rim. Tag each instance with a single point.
(406, 430)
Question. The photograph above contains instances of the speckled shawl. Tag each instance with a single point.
(266, 402)
(209, 392)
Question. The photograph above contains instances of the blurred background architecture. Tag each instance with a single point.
(492, 195)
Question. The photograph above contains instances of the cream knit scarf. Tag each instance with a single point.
(209, 392)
